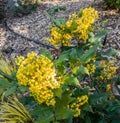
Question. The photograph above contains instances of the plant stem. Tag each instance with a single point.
(54, 114)
(94, 86)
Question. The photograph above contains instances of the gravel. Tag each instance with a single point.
(36, 25)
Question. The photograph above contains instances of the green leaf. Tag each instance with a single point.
(57, 22)
(88, 108)
(71, 80)
(1, 91)
(22, 89)
(97, 38)
(89, 54)
(10, 91)
(8, 77)
(43, 114)
(91, 39)
(115, 107)
(4, 83)
(62, 110)
(111, 52)
(88, 120)
(79, 92)
(64, 56)
(98, 98)
(61, 68)
(55, 9)
(58, 92)
(82, 70)
(45, 119)
(63, 113)
(73, 55)
(79, 52)
(70, 120)
(62, 21)
(46, 53)
(73, 26)
(75, 69)
(80, 13)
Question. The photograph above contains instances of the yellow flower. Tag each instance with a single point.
(102, 63)
(73, 16)
(77, 105)
(91, 68)
(74, 27)
(19, 59)
(108, 69)
(101, 77)
(109, 89)
(38, 73)
(68, 24)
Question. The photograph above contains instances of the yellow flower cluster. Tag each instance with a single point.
(85, 22)
(73, 16)
(108, 70)
(75, 27)
(19, 60)
(91, 68)
(109, 89)
(59, 37)
(38, 73)
(77, 105)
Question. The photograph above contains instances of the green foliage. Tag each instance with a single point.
(113, 3)
(25, 6)
(52, 11)
(42, 114)
(62, 109)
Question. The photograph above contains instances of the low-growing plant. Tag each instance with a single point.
(12, 111)
(23, 7)
(76, 86)
(113, 3)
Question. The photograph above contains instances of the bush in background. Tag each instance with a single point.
(18, 7)
(113, 3)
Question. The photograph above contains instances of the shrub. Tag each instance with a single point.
(79, 86)
(22, 6)
(113, 3)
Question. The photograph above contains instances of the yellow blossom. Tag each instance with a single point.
(76, 106)
(38, 73)
(109, 89)
(109, 69)
(74, 27)
(91, 68)
(73, 16)
(68, 24)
